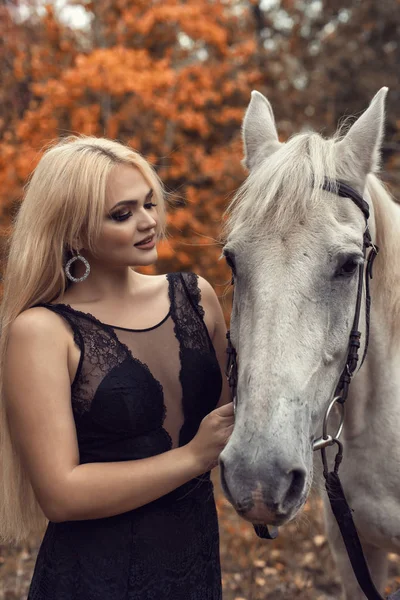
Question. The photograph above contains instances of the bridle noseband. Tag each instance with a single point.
(340, 508)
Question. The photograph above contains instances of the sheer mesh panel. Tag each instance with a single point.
(158, 348)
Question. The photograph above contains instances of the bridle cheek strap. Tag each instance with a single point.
(343, 190)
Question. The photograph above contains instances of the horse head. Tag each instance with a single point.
(295, 249)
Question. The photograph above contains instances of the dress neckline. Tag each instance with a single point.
(92, 317)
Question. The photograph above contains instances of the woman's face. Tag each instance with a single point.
(130, 218)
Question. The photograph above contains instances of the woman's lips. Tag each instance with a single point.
(146, 246)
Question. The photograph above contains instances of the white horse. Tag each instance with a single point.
(295, 250)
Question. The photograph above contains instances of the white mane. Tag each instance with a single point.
(387, 265)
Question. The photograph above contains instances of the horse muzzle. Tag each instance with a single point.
(269, 493)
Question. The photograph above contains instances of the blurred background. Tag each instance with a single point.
(173, 78)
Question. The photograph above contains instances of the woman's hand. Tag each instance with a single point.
(212, 436)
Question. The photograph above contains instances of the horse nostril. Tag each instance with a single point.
(296, 487)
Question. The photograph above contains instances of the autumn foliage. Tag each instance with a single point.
(173, 79)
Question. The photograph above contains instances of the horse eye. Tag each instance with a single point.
(348, 267)
(230, 259)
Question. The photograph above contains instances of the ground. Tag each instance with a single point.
(295, 566)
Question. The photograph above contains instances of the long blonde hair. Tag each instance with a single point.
(64, 202)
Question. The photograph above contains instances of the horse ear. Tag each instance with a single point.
(260, 137)
(362, 143)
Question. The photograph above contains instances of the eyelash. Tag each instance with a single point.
(125, 216)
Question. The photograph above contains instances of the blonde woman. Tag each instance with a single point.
(113, 405)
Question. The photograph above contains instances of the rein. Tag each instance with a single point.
(339, 505)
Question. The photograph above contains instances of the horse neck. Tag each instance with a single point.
(375, 392)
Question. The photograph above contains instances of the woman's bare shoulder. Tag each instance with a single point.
(208, 294)
(35, 322)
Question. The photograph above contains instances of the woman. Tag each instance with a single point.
(110, 383)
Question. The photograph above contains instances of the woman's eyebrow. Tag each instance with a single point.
(129, 201)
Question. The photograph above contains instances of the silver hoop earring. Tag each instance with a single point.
(70, 262)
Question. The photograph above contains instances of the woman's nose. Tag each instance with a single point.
(146, 220)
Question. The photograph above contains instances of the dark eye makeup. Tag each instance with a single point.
(124, 216)
(121, 216)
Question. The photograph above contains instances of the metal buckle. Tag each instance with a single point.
(326, 439)
(234, 400)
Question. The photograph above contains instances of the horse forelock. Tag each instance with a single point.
(287, 186)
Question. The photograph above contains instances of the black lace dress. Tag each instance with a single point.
(138, 393)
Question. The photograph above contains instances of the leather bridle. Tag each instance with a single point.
(340, 508)
(343, 190)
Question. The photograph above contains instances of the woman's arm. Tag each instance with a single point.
(38, 401)
(215, 321)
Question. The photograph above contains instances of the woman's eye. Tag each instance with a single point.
(121, 216)
(149, 205)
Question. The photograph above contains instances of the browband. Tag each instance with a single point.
(339, 188)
